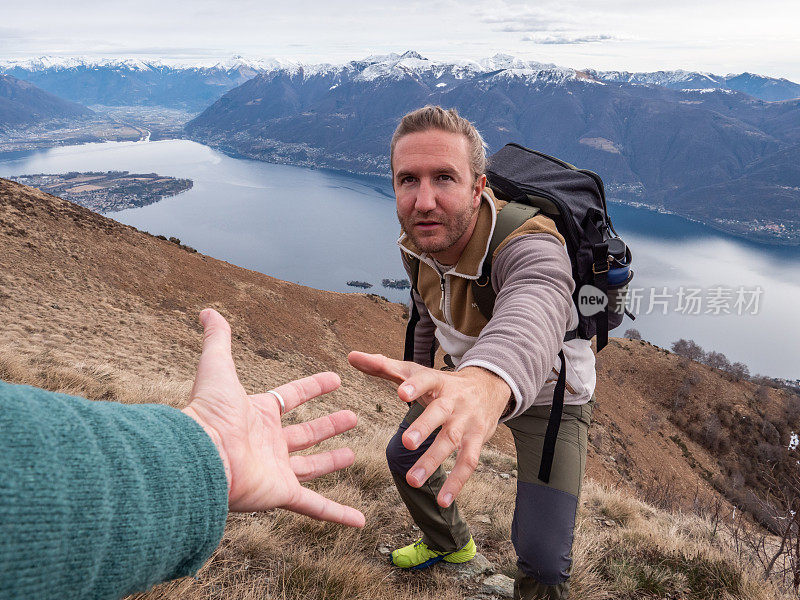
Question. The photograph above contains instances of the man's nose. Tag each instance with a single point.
(426, 196)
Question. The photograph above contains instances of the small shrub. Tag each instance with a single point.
(770, 432)
(712, 435)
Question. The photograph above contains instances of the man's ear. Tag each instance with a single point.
(480, 185)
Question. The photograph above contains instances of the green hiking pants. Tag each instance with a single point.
(543, 527)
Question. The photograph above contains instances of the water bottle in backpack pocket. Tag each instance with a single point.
(620, 275)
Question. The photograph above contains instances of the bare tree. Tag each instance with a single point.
(633, 334)
(717, 360)
(779, 512)
(739, 371)
(689, 349)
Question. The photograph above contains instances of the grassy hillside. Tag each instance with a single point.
(96, 308)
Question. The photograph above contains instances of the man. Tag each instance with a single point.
(505, 367)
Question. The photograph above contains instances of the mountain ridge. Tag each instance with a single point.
(236, 69)
(23, 104)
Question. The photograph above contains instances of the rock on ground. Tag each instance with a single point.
(468, 570)
(499, 585)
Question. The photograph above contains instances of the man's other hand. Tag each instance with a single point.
(252, 444)
(467, 405)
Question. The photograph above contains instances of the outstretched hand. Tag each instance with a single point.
(252, 444)
(466, 404)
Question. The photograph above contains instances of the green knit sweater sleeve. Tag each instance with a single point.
(100, 499)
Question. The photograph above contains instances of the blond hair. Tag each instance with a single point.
(435, 117)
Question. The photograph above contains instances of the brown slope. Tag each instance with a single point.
(87, 289)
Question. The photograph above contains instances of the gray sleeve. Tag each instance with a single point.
(533, 276)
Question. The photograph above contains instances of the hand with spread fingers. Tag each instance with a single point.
(466, 404)
(252, 444)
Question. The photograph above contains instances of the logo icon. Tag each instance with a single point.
(591, 300)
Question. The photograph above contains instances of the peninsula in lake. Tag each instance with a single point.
(109, 191)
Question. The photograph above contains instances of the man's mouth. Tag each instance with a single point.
(426, 225)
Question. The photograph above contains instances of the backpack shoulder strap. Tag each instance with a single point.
(411, 263)
(510, 218)
(413, 318)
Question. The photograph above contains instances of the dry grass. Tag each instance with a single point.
(627, 549)
(624, 549)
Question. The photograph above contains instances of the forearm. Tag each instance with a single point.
(100, 499)
(520, 342)
(494, 391)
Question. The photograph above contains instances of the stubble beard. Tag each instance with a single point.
(455, 226)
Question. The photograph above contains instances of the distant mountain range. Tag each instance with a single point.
(23, 104)
(724, 150)
(765, 88)
(175, 84)
(114, 82)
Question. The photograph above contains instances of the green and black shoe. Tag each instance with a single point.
(418, 556)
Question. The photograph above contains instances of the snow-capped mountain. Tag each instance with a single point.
(759, 86)
(44, 63)
(196, 84)
(120, 82)
(412, 64)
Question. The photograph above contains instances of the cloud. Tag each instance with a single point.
(10, 33)
(527, 23)
(541, 25)
(522, 27)
(568, 39)
(513, 19)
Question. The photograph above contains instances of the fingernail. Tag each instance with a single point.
(447, 498)
(408, 390)
(413, 437)
(418, 475)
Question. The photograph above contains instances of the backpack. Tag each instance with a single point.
(532, 183)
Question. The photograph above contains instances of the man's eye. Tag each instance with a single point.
(445, 177)
(407, 179)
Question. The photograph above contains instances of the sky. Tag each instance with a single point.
(718, 36)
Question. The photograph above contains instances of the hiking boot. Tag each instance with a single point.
(418, 556)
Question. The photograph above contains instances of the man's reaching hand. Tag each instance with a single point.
(466, 404)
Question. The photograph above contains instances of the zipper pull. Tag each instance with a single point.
(441, 297)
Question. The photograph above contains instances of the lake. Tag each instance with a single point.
(322, 229)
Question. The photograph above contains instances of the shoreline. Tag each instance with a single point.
(741, 236)
(775, 243)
